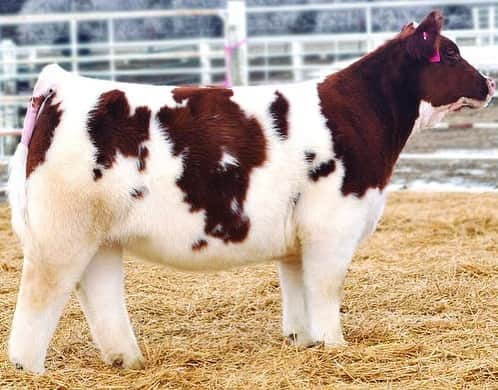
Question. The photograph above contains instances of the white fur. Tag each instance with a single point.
(428, 115)
(17, 191)
(227, 159)
(67, 220)
(101, 295)
(294, 313)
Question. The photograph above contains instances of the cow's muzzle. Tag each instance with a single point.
(491, 86)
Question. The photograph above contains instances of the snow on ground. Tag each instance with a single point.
(454, 154)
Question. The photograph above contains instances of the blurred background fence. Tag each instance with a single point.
(212, 41)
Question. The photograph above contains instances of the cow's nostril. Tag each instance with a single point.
(491, 86)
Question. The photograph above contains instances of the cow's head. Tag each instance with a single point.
(446, 82)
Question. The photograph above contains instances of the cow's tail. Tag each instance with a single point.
(17, 186)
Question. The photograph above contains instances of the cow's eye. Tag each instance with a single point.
(452, 53)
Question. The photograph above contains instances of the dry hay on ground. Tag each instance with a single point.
(420, 311)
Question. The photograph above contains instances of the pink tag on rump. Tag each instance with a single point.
(30, 118)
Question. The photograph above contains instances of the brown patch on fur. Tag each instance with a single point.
(309, 157)
(113, 129)
(371, 106)
(279, 110)
(199, 244)
(209, 125)
(37, 101)
(185, 92)
(97, 174)
(142, 157)
(137, 193)
(48, 119)
(322, 170)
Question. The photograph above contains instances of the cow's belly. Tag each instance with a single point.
(162, 227)
(216, 256)
(176, 237)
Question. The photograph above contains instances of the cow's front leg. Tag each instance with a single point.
(101, 295)
(325, 265)
(44, 289)
(294, 316)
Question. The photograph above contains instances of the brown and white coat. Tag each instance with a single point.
(210, 178)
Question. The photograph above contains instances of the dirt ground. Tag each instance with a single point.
(420, 311)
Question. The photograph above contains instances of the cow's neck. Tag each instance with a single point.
(370, 109)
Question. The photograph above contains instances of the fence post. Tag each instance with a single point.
(297, 60)
(8, 112)
(491, 24)
(110, 42)
(205, 63)
(73, 32)
(235, 43)
(368, 25)
(476, 25)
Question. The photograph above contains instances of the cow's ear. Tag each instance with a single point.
(407, 29)
(424, 41)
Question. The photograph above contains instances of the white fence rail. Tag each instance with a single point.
(260, 59)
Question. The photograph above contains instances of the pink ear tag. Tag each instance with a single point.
(435, 56)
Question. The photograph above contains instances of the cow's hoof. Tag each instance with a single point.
(119, 361)
(328, 344)
(297, 339)
(316, 344)
(33, 369)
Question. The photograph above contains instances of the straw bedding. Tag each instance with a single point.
(420, 311)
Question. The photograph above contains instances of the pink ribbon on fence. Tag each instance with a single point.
(229, 49)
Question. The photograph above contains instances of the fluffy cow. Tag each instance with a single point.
(210, 178)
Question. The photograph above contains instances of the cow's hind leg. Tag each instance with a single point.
(48, 277)
(294, 316)
(101, 295)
